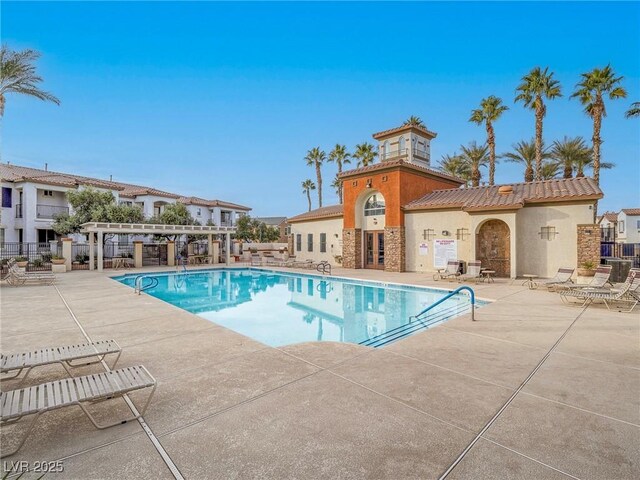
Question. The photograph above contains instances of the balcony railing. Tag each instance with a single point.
(50, 211)
(404, 152)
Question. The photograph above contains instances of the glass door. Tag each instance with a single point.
(374, 249)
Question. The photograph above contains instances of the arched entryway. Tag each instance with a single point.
(493, 247)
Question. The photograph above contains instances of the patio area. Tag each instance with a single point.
(532, 389)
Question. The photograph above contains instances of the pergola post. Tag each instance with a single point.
(228, 252)
(100, 250)
(210, 251)
(92, 251)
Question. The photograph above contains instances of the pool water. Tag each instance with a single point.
(279, 308)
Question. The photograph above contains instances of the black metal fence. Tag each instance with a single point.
(36, 255)
(79, 256)
(625, 251)
(154, 254)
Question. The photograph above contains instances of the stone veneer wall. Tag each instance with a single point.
(290, 245)
(394, 249)
(588, 244)
(352, 248)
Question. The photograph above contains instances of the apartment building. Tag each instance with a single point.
(32, 198)
(621, 227)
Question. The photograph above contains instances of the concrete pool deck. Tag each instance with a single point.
(565, 382)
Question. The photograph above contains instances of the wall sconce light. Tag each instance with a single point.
(375, 221)
(428, 234)
(369, 183)
(445, 233)
(461, 233)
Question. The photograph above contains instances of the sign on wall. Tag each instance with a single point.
(423, 249)
(443, 251)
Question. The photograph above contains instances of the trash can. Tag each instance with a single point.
(619, 269)
(462, 267)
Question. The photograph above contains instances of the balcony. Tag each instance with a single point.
(404, 153)
(50, 211)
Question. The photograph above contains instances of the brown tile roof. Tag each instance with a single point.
(234, 206)
(631, 211)
(400, 162)
(136, 190)
(195, 201)
(318, 213)
(403, 128)
(611, 216)
(488, 198)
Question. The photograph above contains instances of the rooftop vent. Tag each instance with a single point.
(505, 190)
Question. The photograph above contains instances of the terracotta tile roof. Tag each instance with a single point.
(137, 190)
(195, 201)
(319, 213)
(611, 216)
(488, 198)
(234, 206)
(400, 162)
(403, 128)
(631, 211)
(272, 221)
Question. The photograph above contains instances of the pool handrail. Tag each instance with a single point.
(449, 295)
(138, 288)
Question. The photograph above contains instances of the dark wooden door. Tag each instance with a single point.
(493, 247)
(374, 249)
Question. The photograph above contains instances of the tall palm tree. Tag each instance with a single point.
(537, 85)
(456, 166)
(414, 121)
(18, 75)
(475, 156)
(490, 110)
(307, 186)
(340, 156)
(591, 90)
(587, 162)
(365, 154)
(314, 158)
(570, 152)
(634, 110)
(525, 153)
(550, 170)
(337, 185)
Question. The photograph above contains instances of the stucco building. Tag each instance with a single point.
(402, 215)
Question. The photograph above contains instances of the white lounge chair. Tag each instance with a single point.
(628, 292)
(71, 356)
(599, 280)
(563, 277)
(17, 277)
(473, 272)
(98, 387)
(452, 270)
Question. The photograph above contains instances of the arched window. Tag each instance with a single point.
(401, 145)
(385, 149)
(374, 205)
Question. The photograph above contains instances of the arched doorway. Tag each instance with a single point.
(493, 247)
(373, 223)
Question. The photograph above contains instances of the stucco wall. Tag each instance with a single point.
(331, 227)
(631, 232)
(541, 256)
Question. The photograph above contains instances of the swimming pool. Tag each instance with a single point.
(280, 308)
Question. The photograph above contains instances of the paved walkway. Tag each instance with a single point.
(533, 389)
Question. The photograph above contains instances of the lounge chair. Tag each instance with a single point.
(473, 272)
(599, 280)
(98, 387)
(256, 261)
(563, 277)
(452, 270)
(69, 357)
(628, 292)
(17, 277)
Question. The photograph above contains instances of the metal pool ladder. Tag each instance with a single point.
(141, 288)
(418, 322)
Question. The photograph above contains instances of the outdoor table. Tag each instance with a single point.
(119, 262)
(487, 275)
(530, 281)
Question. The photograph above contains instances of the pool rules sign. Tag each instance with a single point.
(443, 251)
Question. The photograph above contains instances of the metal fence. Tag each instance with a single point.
(625, 251)
(79, 256)
(37, 255)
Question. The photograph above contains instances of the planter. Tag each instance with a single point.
(586, 272)
(22, 264)
(58, 268)
(58, 261)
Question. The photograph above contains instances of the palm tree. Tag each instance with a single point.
(337, 185)
(456, 166)
(490, 110)
(414, 121)
(587, 162)
(340, 156)
(537, 85)
(525, 153)
(315, 157)
(634, 110)
(365, 154)
(591, 90)
(475, 156)
(570, 152)
(307, 186)
(18, 75)
(550, 170)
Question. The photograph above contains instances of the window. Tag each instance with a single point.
(323, 242)
(374, 205)
(47, 193)
(401, 143)
(6, 197)
(638, 224)
(199, 212)
(310, 242)
(621, 226)
(1, 237)
(299, 242)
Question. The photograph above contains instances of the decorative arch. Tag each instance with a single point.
(493, 246)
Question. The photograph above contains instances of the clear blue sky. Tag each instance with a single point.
(222, 100)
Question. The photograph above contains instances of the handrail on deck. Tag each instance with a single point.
(138, 288)
(472, 294)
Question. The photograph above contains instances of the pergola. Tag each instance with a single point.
(93, 228)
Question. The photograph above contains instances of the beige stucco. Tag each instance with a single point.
(332, 227)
